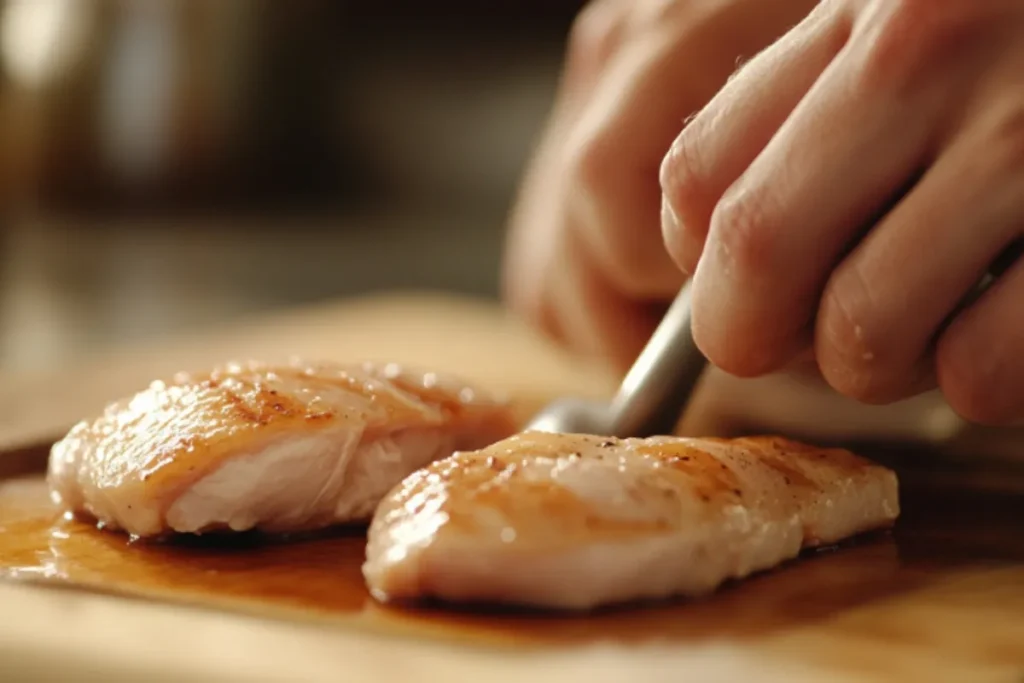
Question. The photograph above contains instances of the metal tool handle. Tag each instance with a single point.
(658, 386)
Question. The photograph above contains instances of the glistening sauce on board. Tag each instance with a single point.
(321, 576)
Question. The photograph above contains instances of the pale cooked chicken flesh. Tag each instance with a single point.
(576, 521)
(285, 448)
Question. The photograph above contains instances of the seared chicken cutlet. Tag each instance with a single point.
(574, 521)
(282, 448)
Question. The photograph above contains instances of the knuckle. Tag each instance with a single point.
(595, 35)
(911, 13)
(522, 298)
(593, 164)
(743, 227)
(963, 381)
(655, 15)
(1006, 153)
(541, 314)
(602, 27)
(525, 281)
(908, 41)
(629, 251)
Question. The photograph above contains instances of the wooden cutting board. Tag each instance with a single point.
(941, 598)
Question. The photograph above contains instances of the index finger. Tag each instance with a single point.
(716, 147)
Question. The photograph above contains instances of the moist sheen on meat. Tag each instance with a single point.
(572, 521)
(278, 448)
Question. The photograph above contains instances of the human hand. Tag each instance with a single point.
(585, 259)
(847, 189)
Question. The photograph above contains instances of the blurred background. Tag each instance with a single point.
(166, 164)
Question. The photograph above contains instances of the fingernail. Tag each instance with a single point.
(669, 220)
(671, 229)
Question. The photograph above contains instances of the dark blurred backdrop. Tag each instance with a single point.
(165, 164)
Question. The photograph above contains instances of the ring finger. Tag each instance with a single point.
(980, 357)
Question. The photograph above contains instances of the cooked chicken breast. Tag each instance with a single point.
(576, 521)
(276, 448)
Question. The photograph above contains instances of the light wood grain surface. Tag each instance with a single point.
(961, 620)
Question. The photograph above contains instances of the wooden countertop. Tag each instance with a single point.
(934, 619)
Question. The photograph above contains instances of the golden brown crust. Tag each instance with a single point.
(173, 433)
(496, 478)
(577, 521)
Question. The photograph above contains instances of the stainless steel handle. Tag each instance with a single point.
(661, 381)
